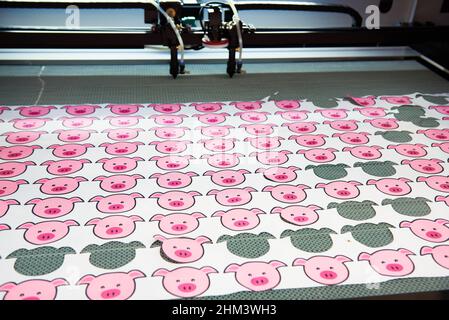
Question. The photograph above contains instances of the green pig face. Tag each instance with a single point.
(247, 245)
(325, 103)
(112, 254)
(370, 234)
(412, 110)
(426, 122)
(377, 168)
(413, 207)
(310, 240)
(355, 210)
(439, 100)
(329, 171)
(39, 261)
(395, 136)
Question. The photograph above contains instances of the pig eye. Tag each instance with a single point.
(250, 274)
(53, 230)
(122, 202)
(396, 260)
(184, 222)
(22, 294)
(39, 231)
(188, 248)
(434, 229)
(177, 280)
(107, 226)
(317, 268)
(193, 279)
(171, 222)
(102, 287)
(383, 262)
(118, 285)
(233, 219)
(175, 247)
(331, 268)
(423, 229)
(109, 202)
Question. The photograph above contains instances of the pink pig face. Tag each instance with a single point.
(430, 230)
(227, 178)
(301, 127)
(59, 185)
(394, 187)
(64, 167)
(257, 276)
(288, 104)
(174, 180)
(175, 200)
(382, 123)
(436, 134)
(14, 169)
(121, 148)
(341, 189)
(69, 150)
(167, 107)
(233, 196)
(219, 145)
(119, 182)
(425, 165)
(410, 150)
(178, 223)
(120, 164)
(265, 143)
(319, 155)
(170, 132)
(22, 136)
(438, 183)
(77, 122)
(172, 162)
(443, 146)
(393, 263)
(439, 253)
(114, 227)
(207, 107)
(365, 102)
(441, 109)
(32, 289)
(287, 193)
(171, 146)
(252, 116)
(4, 206)
(81, 109)
(8, 187)
(123, 134)
(239, 219)
(309, 140)
(124, 108)
(258, 129)
(168, 120)
(293, 115)
(211, 118)
(223, 160)
(116, 203)
(372, 112)
(248, 105)
(333, 113)
(353, 137)
(183, 250)
(29, 123)
(298, 215)
(343, 125)
(111, 286)
(365, 153)
(73, 135)
(279, 174)
(325, 270)
(17, 152)
(124, 121)
(46, 232)
(53, 207)
(397, 100)
(215, 131)
(272, 157)
(185, 282)
(35, 111)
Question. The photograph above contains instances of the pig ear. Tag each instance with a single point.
(293, 168)
(152, 143)
(86, 279)
(301, 152)
(8, 286)
(268, 188)
(332, 150)
(405, 180)
(157, 217)
(80, 179)
(363, 256)
(303, 186)
(155, 158)
(436, 160)
(421, 179)
(371, 182)
(406, 161)
(192, 174)
(203, 239)
(71, 223)
(276, 210)
(218, 214)
(293, 137)
(135, 195)
(137, 176)
(194, 193)
(213, 191)
(105, 144)
(96, 199)
(347, 149)
(76, 199)
(93, 222)
(276, 264)
(208, 270)
(134, 274)
(342, 259)
(249, 189)
(198, 215)
(43, 180)
(34, 201)
(252, 154)
(233, 267)
(155, 175)
(85, 161)
(12, 201)
(59, 282)
(405, 252)
(285, 152)
(260, 170)
(320, 185)
(405, 224)
(99, 178)
(208, 173)
(88, 145)
(137, 158)
(47, 163)
(426, 250)
(205, 156)
(390, 146)
(257, 211)
(26, 225)
(314, 207)
(243, 125)
(299, 262)
(355, 183)
(162, 272)
(442, 221)
(159, 237)
(421, 131)
(337, 135)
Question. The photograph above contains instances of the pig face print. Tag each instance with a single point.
(325, 270)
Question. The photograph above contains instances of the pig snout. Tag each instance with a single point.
(241, 223)
(187, 287)
(433, 234)
(114, 230)
(289, 196)
(52, 211)
(259, 281)
(110, 294)
(45, 236)
(179, 227)
(116, 206)
(174, 183)
(328, 274)
(183, 253)
(176, 203)
(395, 267)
